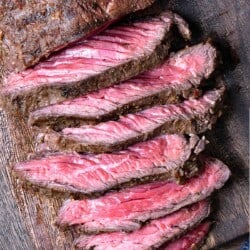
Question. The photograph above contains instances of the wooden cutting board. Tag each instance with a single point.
(27, 216)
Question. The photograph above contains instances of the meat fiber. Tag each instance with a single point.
(128, 209)
(191, 116)
(31, 30)
(152, 235)
(176, 78)
(170, 155)
(192, 240)
(116, 54)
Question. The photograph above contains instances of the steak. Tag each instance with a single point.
(152, 235)
(127, 209)
(165, 155)
(176, 78)
(31, 30)
(114, 55)
(191, 116)
(192, 240)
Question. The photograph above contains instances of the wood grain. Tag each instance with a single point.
(38, 209)
(12, 230)
(28, 215)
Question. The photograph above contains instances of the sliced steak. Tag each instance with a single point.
(31, 30)
(114, 55)
(192, 240)
(176, 78)
(165, 155)
(191, 116)
(127, 209)
(152, 235)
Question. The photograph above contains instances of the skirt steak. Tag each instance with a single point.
(31, 30)
(152, 235)
(95, 63)
(170, 155)
(192, 240)
(128, 209)
(177, 78)
(191, 116)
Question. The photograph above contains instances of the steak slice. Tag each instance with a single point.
(127, 209)
(191, 116)
(152, 235)
(98, 173)
(192, 240)
(31, 30)
(178, 77)
(114, 55)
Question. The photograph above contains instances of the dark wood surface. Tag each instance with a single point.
(27, 216)
(227, 23)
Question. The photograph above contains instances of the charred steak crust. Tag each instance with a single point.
(174, 159)
(151, 236)
(32, 30)
(190, 117)
(41, 119)
(25, 98)
(129, 209)
(168, 83)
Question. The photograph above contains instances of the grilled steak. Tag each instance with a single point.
(177, 77)
(192, 240)
(152, 235)
(97, 173)
(31, 30)
(127, 209)
(98, 62)
(191, 116)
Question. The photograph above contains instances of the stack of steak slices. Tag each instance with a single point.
(176, 78)
(121, 120)
(116, 54)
